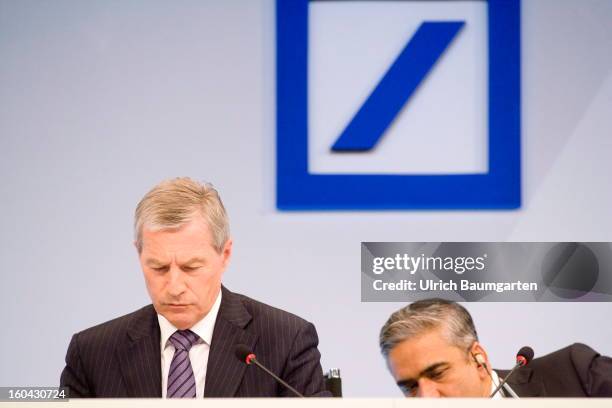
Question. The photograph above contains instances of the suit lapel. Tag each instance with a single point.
(224, 371)
(523, 383)
(140, 356)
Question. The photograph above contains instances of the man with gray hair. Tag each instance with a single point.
(184, 345)
(432, 350)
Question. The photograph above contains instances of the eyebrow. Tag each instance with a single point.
(156, 262)
(409, 382)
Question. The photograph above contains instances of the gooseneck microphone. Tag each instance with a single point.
(244, 354)
(523, 357)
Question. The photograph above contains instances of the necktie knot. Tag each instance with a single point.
(183, 339)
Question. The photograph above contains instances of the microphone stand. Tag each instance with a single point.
(253, 360)
(506, 386)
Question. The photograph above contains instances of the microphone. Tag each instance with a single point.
(244, 354)
(523, 357)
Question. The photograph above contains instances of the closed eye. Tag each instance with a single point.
(436, 375)
(409, 389)
(434, 372)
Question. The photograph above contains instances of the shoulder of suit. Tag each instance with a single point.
(577, 352)
(582, 349)
(260, 310)
(114, 327)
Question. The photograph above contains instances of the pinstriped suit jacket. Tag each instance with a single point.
(122, 358)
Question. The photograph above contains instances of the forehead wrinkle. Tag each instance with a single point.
(195, 259)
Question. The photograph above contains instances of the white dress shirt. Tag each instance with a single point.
(198, 355)
(494, 384)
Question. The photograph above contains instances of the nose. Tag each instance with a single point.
(427, 389)
(176, 282)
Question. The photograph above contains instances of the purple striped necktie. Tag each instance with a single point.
(181, 381)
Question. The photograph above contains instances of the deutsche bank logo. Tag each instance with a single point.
(438, 128)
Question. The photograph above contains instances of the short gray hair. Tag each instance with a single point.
(424, 315)
(172, 203)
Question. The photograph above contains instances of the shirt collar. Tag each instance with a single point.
(494, 384)
(204, 328)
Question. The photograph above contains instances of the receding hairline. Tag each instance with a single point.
(442, 330)
(194, 217)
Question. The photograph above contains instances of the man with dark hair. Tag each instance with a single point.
(432, 350)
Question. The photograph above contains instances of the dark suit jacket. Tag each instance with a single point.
(574, 371)
(122, 358)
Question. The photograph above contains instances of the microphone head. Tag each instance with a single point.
(244, 353)
(524, 356)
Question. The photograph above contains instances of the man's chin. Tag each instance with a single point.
(181, 317)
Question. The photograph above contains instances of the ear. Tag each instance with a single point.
(227, 252)
(481, 359)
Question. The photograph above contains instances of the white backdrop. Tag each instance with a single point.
(100, 100)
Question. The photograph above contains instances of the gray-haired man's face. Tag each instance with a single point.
(429, 366)
(183, 271)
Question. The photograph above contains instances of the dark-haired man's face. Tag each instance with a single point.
(429, 366)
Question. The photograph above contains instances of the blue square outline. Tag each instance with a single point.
(297, 189)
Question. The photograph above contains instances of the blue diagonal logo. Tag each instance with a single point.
(396, 87)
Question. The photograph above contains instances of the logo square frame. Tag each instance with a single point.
(498, 189)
